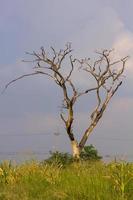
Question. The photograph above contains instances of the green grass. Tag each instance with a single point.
(77, 181)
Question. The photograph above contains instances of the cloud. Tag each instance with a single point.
(118, 118)
(125, 104)
(87, 32)
(113, 135)
(123, 45)
(42, 123)
(29, 106)
(30, 123)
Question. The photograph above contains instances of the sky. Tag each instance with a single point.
(29, 116)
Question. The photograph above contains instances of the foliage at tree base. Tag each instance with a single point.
(88, 153)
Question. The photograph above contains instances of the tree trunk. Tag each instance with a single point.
(75, 150)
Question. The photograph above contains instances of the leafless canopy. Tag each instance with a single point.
(106, 73)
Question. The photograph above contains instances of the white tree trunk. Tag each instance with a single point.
(75, 149)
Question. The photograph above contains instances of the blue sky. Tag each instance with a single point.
(31, 106)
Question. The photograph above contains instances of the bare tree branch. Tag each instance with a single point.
(107, 76)
(20, 77)
(104, 75)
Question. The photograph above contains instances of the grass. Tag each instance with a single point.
(77, 181)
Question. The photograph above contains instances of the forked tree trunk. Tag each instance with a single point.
(75, 150)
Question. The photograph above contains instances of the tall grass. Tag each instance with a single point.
(77, 181)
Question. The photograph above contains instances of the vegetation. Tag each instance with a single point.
(105, 75)
(78, 181)
(88, 153)
(59, 157)
(65, 176)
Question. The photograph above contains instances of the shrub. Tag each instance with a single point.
(59, 158)
(88, 153)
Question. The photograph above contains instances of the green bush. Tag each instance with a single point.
(88, 153)
(59, 158)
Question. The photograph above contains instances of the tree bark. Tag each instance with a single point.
(75, 150)
(86, 135)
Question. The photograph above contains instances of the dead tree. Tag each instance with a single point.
(107, 75)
